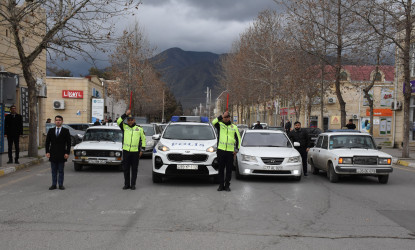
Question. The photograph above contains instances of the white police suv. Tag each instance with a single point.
(187, 147)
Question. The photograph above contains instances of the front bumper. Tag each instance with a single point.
(284, 169)
(363, 170)
(98, 160)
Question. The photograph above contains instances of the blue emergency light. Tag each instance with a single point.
(203, 119)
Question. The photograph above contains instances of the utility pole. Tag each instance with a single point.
(162, 117)
(207, 101)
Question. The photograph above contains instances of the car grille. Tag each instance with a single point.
(172, 170)
(271, 172)
(365, 160)
(182, 157)
(272, 161)
(98, 153)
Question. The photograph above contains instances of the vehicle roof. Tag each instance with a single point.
(104, 127)
(345, 133)
(264, 131)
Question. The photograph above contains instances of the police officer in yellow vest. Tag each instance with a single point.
(133, 140)
(229, 141)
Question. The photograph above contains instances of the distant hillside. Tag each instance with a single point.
(188, 73)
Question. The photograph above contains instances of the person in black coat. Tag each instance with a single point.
(287, 127)
(301, 136)
(13, 128)
(258, 125)
(58, 148)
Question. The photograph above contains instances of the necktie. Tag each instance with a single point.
(57, 131)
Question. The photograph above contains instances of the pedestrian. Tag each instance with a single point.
(229, 141)
(48, 120)
(258, 125)
(109, 120)
(134, 140)
(58, 148)
(13, 129)
(351, 125)
(287, 127)
(301, 136)
(97, 123)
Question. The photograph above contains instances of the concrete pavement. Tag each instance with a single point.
(24, 162)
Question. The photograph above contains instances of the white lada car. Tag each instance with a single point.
(185, 149)
(101, 145)
(349, 153)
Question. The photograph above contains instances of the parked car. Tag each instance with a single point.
(242, 128)
(313, 134)
(76, 135)
(149, 131)
(185, 149)
(102, 145)
(79, 126)
(267, 153)
(346, 153)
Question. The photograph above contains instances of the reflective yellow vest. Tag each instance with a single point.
(227, 134)
(132, 136)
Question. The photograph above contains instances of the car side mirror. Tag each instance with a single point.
(296, 144)
(379, 147)
(156, 137)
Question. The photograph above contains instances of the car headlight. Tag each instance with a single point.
(163, 148)
(345, 160)
(112, 154)
(294, 159)
(78, 153)
(211, 149)
(384, 161)
(83, 153)
(249, 158)
(80, 136)
(117, 154)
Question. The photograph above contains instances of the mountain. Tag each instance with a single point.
(188, 74)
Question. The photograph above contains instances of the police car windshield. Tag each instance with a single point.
(148, 130)
(114, 135)
(265, 140)
(189, 132)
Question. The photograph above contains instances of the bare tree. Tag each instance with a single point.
(60, 27)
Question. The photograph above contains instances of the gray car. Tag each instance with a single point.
(149, 131)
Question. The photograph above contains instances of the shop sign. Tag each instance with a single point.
(380, 112)
(76, 94)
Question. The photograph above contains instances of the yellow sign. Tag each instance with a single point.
(335, 120)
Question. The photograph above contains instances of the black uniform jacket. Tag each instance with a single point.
(13, 125)
(58, 146)
(300, 136)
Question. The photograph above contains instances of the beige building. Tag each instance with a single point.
(70, 97)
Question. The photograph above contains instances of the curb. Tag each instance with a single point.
(403, 163)
(9, 170)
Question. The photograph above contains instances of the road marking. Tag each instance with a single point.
(119, 212)
(406, 169)
(23, 178)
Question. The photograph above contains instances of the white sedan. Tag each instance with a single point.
(267, 153)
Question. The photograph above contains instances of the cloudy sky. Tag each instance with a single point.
(193, 25)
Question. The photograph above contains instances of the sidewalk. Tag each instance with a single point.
(397, 157)
(24, 161)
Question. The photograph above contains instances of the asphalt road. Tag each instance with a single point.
(260, 213)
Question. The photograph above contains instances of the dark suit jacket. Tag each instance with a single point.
(58, 146)
(13, 126)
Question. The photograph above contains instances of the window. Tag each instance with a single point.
(378, 77)
(319, 141)
(325, 142)
(266, 140)
(343, 76)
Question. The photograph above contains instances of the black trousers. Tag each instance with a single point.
(225, 160)
(130, 164)
(10, 141)
(303, 153)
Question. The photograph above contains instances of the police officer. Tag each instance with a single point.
(229, 141)
(301, 136)
(133, 140)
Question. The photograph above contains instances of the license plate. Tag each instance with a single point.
(187, 167)
(97, 161)
(366, 171)
(272, 167)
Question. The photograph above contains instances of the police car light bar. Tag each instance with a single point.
(203, 119)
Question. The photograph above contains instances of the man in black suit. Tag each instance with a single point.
(58, 148)
(13, 129)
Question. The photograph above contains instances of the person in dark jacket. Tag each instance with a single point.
(13, 124)
(258, 125)
(97, 123)
(351, 125)
(301, 136)
(287, 127)
(58, 148)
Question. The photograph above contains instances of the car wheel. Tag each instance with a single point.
(383, 179)
(333, 177)
(314, 170)
(77, 167)
(157, 178)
